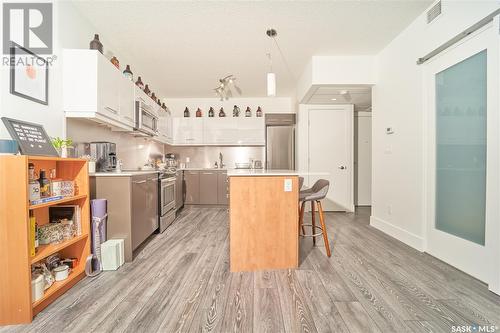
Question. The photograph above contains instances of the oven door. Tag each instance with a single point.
(167, 189)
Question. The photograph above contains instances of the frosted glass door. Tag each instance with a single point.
(462, 155)
(461, 98)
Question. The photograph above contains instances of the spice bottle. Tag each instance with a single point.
(236, 111)
(186, 112)
(115, 62)
(34, 185)
(248, 112)
(222, 113)
(147, 91)
(139, 83)
(95, 44)
(211, 112)
(198, 113)
(44, 185)
(259, 112)
(153, 96)
(128, 73)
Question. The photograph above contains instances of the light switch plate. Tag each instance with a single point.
(288, 185)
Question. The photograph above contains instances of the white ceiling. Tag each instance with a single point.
(181, 48)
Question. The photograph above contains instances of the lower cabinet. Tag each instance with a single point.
(208, 187)
(205, 187)
(222, 188)
(192, 190)
(132, 203)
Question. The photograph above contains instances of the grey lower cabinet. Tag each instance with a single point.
(132, 207)
(192, 187)
(205, 187)
(208, 188)
(222, 188)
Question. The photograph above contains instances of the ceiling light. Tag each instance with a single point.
(271, 84)
(334, 99)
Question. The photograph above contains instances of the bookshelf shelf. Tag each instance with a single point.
(57, 202)
(46, 250)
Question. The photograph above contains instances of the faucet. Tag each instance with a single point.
(221, 163)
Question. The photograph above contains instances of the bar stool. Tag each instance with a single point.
(315, 194)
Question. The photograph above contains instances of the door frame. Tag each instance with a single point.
(491, 273)
(302, 140)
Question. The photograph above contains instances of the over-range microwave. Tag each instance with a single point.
(146, 119)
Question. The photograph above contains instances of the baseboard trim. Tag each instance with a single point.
(400, 234)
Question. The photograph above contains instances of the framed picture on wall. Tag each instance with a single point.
(29, 75)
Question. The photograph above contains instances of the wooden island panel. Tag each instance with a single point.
(263, 223)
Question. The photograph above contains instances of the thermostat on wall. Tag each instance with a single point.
(389, 130)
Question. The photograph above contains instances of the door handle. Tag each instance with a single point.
(139, 182)
(342, 167)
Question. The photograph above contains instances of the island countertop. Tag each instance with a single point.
(260, 172)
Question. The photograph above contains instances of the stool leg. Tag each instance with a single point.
(323, 226)
(313, 220)
(301, 217)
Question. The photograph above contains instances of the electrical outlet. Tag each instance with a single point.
(288, 185)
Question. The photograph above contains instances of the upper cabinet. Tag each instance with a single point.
(97, 90)
(229, 131)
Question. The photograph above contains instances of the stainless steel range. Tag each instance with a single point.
(166, 199)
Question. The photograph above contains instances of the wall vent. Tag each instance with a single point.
(434, 12)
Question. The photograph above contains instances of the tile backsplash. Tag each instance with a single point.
(134, 152)
(205, 156)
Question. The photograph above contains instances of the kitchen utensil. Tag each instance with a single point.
(37, 287)
(241, 165)
(61, 272)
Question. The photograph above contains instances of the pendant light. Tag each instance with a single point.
(271, 78)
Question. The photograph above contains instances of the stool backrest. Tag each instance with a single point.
(320, 188)
(301, 182)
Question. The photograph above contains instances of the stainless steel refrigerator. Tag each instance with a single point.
(280, 141)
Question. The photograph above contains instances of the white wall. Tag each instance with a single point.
(335, 70)
(268, 105)
(398, 167)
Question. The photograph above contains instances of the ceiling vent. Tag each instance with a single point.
(434, 12)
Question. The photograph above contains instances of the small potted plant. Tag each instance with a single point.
(62, 145)
(91, 162)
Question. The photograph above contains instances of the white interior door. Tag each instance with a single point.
(331, 153)
(363, 159)
(462, 154)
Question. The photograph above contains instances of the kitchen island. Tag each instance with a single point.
(263, 219)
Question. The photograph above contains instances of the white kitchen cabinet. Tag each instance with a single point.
(251, 131)
(188, 131)
(127, 101)
(220, 130)
(227, 131)
(165, 134)
(95, 89)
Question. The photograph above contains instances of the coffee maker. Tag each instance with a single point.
(104, 153)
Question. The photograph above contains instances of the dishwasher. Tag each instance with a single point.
(144, 207)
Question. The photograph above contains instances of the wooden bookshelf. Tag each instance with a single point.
(16, 305)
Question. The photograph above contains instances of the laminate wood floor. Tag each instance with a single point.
(180, 282)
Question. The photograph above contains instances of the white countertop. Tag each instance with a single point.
(260, 172)
(125, 173)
